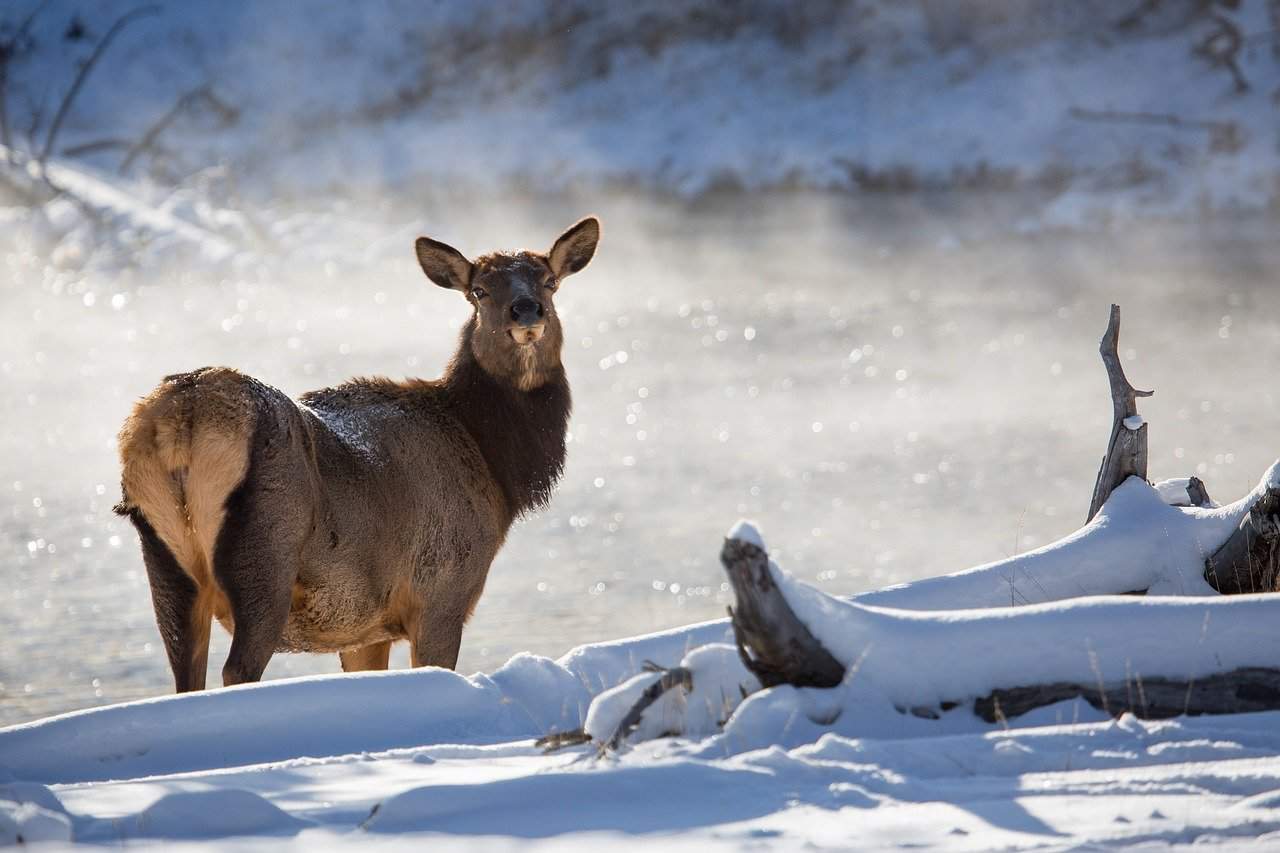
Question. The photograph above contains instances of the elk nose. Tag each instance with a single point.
(526, 311)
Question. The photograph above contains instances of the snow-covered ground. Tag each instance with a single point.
(403, 758)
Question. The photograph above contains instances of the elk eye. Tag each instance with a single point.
(551, 285)
(479, 292)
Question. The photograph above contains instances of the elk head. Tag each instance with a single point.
(514, 333)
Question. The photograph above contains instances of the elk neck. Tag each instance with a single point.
(521, 434)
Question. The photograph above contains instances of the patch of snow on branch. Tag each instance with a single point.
(747, 531)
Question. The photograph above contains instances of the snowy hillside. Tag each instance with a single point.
(1159, 108)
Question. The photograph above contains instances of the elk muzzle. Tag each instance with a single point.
(526, 324)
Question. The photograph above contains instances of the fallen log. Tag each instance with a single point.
(1155, 658)
(1249, 561)
(1239, 691)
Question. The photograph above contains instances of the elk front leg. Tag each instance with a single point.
(373, 656)
(182, 613)
(435, 632)
(437, 641)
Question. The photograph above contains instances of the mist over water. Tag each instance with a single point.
(892, 390)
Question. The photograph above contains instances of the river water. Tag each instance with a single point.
(891, 390)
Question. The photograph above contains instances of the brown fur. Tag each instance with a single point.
(182, 450)
(361, 514)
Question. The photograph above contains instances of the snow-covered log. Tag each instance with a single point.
(1136, 542)
(1241, 691)
(1093, 647)
(1249, 561)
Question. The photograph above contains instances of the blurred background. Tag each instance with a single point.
(856, 260)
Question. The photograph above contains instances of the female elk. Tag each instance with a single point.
(362, 514)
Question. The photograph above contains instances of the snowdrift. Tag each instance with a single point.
(241, 761)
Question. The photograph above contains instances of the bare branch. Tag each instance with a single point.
(204, 93)
(559, 740)
(85, 69)
(1127, 448)
(1222, 48)
(95, 145)
(677, 676)
(8, 52)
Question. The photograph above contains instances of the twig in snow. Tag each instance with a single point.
(677, 676)
(559, 740)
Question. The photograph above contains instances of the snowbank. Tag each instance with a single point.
(313, 716)
(308, 761)
(907, 657)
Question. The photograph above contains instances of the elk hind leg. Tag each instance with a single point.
(372, 656)
(255, 562)
(183, 612)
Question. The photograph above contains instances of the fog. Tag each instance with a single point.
(893, 389)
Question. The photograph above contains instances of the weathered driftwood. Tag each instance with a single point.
(773, 642)
(1197, 493)
(677, 676)
(1236, 692)
(1127, 448)
(1249, 561)
(781, 650)
(559, 740)
(671, 678)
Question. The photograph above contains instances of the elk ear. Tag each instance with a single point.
(443, 264)
(574, 248)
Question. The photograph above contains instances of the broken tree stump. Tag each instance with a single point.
(1249, 561)
(1127, 449)
(1197, 493)
(773, 642)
